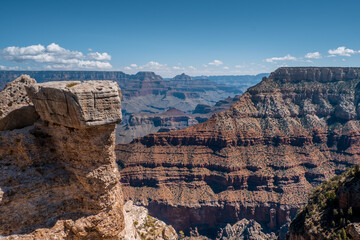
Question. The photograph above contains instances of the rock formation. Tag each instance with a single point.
(59, 178)
(332, 212)
(257, 160)
(244, 229)
(140, 225)
(16, 110)
(65, 167)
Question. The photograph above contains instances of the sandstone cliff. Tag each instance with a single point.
(258, 160)
(59, 178)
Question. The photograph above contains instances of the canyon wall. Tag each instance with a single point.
(257, 160)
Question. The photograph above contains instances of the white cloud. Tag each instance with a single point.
(313, 55)
(192, 67)
(341, 51)
(226, 68)
(215, 63)
(285, 58)
(176, 68)
(99, 56)
(57, 57)
(152, 65)
(133, 65)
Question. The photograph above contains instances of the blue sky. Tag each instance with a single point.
(198, 37)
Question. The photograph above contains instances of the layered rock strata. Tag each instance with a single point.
(257, 160)
(59, 178)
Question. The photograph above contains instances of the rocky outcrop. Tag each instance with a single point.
(16, 110)
(244, 229)
(257, 160)
(59, 179)
(76, 104)
(140, 225)
(332, 212)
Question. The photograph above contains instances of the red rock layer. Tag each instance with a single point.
(257, 160)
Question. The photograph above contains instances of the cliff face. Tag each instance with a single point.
(59, 179)
(257, 160)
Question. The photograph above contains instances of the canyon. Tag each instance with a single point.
(143, 92)
(141, 124)
(257, 160)
(243, 173)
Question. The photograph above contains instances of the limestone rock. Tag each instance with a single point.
(244, 229)
(77, 104)
(354, 230)
(139, 225)
(16, 110)
(59, 180)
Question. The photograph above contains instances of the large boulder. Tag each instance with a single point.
(77, 104)
(16, 109)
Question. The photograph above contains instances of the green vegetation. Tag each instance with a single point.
(323, 217)
(69, 85)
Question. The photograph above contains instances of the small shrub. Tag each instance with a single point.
(69, 85)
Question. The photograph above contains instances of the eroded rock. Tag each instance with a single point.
(16, 109)
(245, 229)
(77, 104)
(59, 179)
